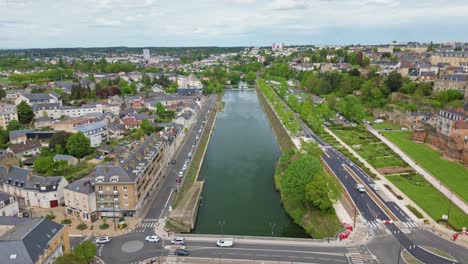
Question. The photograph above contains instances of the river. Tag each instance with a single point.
(239, 197)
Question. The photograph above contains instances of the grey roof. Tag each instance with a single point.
(19, 133)
(24, 146)
(43, 119)
(5, 196)
(82, 186)
(24, 178)
(45, 106)
(63, 157)
(91, 126)
(37, 96)
(67, 85)
(27, 239)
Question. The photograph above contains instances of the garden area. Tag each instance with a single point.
(429, 198)
(386, 125)
(452, 174)
(370, 148)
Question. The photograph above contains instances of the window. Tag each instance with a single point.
(107, 188)
(125, 188)
(100, 188)
(114, 188)
(125, 195)
(126, 204)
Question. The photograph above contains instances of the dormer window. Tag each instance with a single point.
(114, 179)
(100, 178)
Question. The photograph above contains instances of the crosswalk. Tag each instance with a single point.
(379, 225)
(361, 255)
(412, 225)
(145, 223)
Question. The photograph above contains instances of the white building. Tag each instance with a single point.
(146, 54)
(77, 111)
(96, 132)
(7, 114)
(189, 81)
(8, 205)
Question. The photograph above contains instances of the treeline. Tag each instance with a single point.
(41, 77)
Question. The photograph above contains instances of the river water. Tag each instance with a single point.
(239, 197)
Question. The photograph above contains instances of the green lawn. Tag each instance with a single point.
(452, 174)
(386, 125)
(429, 199)
(4, 81)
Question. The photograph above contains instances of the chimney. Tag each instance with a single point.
(29, 176)
(8, 168)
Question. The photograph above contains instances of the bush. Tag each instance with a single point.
(415, 211)
(122, 226)
(51, 216)
(66, 221)
(393, 192)
(81, 226)
(121, 219)
(104, 226)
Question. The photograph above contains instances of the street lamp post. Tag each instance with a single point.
(272, 225)
(221, 224)
(448, 211)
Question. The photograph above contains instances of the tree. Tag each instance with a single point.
(78, 145)
(351, 108)
(147, 127)
(59, 142)
(44, 164)
(311, 148)
(322, 192)
(70, 258)
(298, 174)
(25, 113)
(394, 81)
(250, 77)
(86, 250)
(14, 125)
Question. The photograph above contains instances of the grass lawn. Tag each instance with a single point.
(386, 125)
(429, 198)
(452, 174)
(4, 81)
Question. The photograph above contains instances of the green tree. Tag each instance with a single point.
(250, 77)
(322, 192)
(298, 174)
(58, 142)
(70, 258)
(43, 165)
(25, 113)
(351, 108)
(14, 125)
(394, 81)
(86, 250)
(78, 145)
(147, 127)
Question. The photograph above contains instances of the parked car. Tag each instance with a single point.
(184, 167)
(103, 240)
(375, 187)
(178, 241)
(173, 162)
(225, 243)
(351, 164)
(23, 214)
(179, 180)
(181, 174)
(153, 239)
(181, 252)
(360, 188)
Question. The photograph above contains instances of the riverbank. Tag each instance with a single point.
(316, 223)
(184, 215)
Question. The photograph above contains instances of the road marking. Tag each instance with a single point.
(165, 205)
(270, 250)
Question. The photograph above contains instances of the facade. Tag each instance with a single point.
(454, 58)
(8, 205)
(72, 111)
(452, 82)
(39, 98)
(43, 122)
(12, 95)
(80, 200)
(17, 136)
(447, 119)
(7, 114)
(29, 147)
(32, 190)
(121, 189)
(96, 132)
(51, 110)
(32, 240)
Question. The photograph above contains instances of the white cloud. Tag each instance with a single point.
(107, 22)
(287, 4)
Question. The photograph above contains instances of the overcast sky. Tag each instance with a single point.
(92, 23)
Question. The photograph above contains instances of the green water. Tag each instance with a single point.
(238, 170)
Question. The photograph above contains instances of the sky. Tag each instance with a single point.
(163, 23)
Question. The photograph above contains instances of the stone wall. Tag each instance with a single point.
(420, 135)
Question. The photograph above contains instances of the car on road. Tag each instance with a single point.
(181, 252)
(351, 164)
(375, 187)
(103, 240)
(153, 239)
(181, 174)
(178, 180)
(225, 243)
(360, 188)
(173, 162)
(178, 241)
(184, 167)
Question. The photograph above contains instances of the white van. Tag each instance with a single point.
(225, 243)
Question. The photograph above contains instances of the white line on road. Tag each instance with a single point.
(165, 205)
(271, 250)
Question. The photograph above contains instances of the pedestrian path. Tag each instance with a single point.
(145, 223)
(360, 255)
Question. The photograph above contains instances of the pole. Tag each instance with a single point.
(113, 212)
(448, 211)
(354, 223)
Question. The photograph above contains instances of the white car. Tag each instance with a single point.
(184, 167)
(178, 241)
(103, 240)
(153, 239)
(375, 187)
(360, 188)
(224, 243)
(181, 174)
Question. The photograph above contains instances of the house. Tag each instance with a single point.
(189, 91)
(122, 189)
(29, 147)
(8, 205)
(32, 240)
(428, 76)
(116, 131)
(39, 98)
(130, 122)
(447, 119)
(386, 67)
(52, 110)
(80, 200)
(18, 136)
(69, 159)
(43, 122)
(32, 190)
(96, 132)
(12, 95)
(454, 58)
(452, 82)
(7, 114)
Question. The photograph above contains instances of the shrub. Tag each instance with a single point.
(121, 219)
(51, 216)
(393, 192)
(122, 226)
(104, 226)
(66, 221)
(81, 226)
(415, 211)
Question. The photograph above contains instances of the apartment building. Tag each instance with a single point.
(77, 111)
(96, 132)
(452, 82)
(80, 200)
(51, 110)
(447, 119)
(39, 98)
(30, 189)
(32, 240)
(454, 58)
(7, 114)
(8, 205)
(121, 189)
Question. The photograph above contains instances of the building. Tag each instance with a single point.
(39, 98)
(77, 111)
(69, 124)
(32, 240)
(452, 82)
(131, 122)
(80, 200)
(52, 110)
(69, 159)
(7, 114)
(454, 58)
(189, 81)
(122, 189)
(447, 119)
(43, 122)
(8, 205)
(189, 91)
(386, 67)
(96, 132)
(146, 54)
(12, 95)
(29, 147)
(32, 190)
(18, 136)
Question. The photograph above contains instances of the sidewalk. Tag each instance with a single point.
(431, 179)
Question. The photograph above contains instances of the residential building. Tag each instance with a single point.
(77, 111)
(189, 81)
(386, 67)
(122, 189)
(28, 148)
(52, 110)
(32, 190)
(190, 91)
(69, 159)
(12, 95)
(7, 114)
(32, 240)
(96, 132)
(18, 136)
(8, 205)
(452, 82)
(43, 122)
(69, 124)
(146, 54)
(454, 58)
(447, 119)
(80, 200)
(39, 98)
(130, 122)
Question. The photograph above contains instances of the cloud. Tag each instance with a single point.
(107, 22)
(287, 4)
